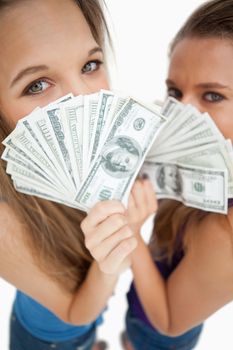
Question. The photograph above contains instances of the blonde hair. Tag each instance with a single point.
(52, 231)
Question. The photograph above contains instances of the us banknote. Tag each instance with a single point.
(79, 150)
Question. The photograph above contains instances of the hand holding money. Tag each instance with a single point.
(108, 236)
(142, 204)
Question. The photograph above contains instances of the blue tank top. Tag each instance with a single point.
(43, 324)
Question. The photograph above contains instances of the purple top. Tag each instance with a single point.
(165, 269)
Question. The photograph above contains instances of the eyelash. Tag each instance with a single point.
(26, 91)
(220, 96)
(178, 95)
(40, 80)
(97, 62)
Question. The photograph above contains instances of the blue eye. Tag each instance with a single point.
(173, 92)
(91, 66)
(37, 87)
(213, 97)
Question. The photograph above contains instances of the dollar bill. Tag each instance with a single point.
(72, 121)
(121, 156)
(20, 141)
(42, 127)
(89, 125)
(197, 187)
(103, 108)
(19, 171)
(79, 150)
(42, 193)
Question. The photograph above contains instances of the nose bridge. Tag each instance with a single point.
(188, 98)
(75, 84)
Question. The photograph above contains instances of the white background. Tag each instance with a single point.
(142, 31)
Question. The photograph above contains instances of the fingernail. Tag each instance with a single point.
(145, 176)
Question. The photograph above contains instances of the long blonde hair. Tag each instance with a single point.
(213, 19)
(52, 231)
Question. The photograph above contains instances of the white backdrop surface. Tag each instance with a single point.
(142, 31)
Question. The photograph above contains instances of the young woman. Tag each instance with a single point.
(193, 275)
(48, 49)
(188, 274)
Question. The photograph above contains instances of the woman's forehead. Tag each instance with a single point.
(34, 21)
(209, 46)
(203, 58)
(31, 32)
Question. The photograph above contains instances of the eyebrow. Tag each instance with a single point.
(207, 85)
(212, 85)
(41, 68)
(169, 82)
(28, 71)
(94, 50)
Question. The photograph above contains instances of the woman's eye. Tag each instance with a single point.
(91, 66)
(173, 92)
(213, 97)
(37, 87)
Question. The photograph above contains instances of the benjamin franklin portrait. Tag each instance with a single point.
(121, 156)
(168, 178)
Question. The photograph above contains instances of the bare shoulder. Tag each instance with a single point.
(14, 251)
(211, 243)
(216, 229)
(203, 281)
(18, 266)
(208, 261)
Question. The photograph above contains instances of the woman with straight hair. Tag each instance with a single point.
(51, 48)
(190, 264)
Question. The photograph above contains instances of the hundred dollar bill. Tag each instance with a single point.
(11, 156)
(169, 105)
(18, 171)
(114, 170)
(115, 105)
(72, 121)
(214, 155)
(54, 115)
(89, 123)
(185, 128)
(22, 143)
(201, 188)
(60, 100)
(202, 131)
(41, 126)
(28, 171)
(182, 120)
(90, 148)
(168, 129)
(42, 193)
(104, 105)
(24, 123)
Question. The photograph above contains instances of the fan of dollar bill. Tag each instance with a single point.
(80, 150)
(190, 160)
